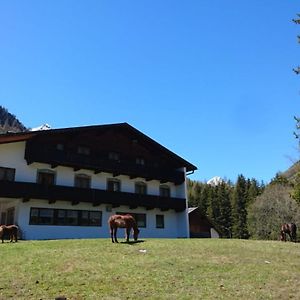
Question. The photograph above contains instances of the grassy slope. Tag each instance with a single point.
(169, 269)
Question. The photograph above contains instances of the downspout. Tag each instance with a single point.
(187, 207)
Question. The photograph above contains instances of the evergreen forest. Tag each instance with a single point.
(247, 209)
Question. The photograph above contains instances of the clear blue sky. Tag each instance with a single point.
(210, 80)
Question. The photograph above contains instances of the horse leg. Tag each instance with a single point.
(115, 234)
(112, 234)
(294, 237)
(127, 230)
(15, 234)
(12, 235)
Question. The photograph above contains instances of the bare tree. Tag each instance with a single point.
(271, 209)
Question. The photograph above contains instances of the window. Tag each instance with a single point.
(45, 216)
(139, 218)
(7, 174)
(72, 217)
(82, 181)
(84, 220)
(114, 156)
(94, 218)
(65, 217)
(34, 216)
(83, 150)
(60, 147)
(160, 222)
(60, 216)
(140, 161)
(46, 177)
(140, 188)
(164, 191)
(113, 185)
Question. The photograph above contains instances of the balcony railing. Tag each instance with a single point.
(53, 193)
(97, 164)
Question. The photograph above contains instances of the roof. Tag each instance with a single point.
(24, 136)
(192, 209)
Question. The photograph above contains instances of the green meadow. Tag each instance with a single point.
(150, 269)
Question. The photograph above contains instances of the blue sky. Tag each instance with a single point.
(211, 80)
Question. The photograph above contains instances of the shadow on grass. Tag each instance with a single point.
(132, 242)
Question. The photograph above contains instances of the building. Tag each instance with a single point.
(200, 225)
(65, 183)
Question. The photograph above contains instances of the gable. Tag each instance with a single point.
(93, 147)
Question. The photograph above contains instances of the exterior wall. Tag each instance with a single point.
(12, 156)
(33, 232)
(183, 218)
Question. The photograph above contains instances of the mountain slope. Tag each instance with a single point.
(291, 172)
(9, 122)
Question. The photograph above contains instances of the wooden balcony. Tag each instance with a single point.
(53, 193)
(97, 164)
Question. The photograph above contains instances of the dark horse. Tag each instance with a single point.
(9, 230)
(122, 221)
(290, 229)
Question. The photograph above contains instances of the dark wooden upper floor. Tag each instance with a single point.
(53, 193)
(116, 149)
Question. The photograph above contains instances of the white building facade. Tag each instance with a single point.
(65, 183)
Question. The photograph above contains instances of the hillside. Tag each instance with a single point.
(9, 122)
(150, 269)
(292, 171)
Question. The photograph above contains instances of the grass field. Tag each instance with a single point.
(152, 269)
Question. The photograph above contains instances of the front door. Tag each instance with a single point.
(10, 218)
(3, 218)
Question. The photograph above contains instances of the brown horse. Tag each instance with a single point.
(291, 230)
(9, 230)
(122, 221)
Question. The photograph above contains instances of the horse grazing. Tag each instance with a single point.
(123, 221)
(291, 230)
(9, 230)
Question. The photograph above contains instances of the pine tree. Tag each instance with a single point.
(239, 209)
(253, 191)
(279, 179)
(191, 193)
(224, 220)
(213, 207)
(204, 198)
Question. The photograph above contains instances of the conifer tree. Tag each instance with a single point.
(224, 220)
(191, 193)
(213, 209)
(239, 209)
(205, 198)
(253, 191)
